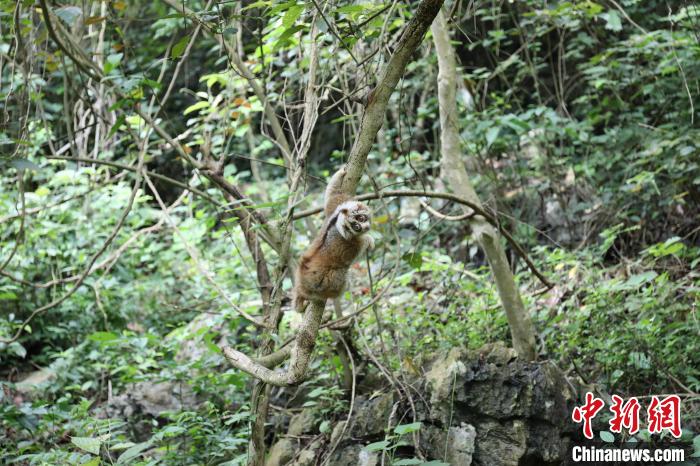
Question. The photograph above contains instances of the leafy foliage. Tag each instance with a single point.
(579, 125)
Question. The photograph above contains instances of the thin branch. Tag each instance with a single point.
(195, 259)
(371, 122)
(378, 99)
(79, 59)
(23, 216)
(331, 28)
(627, 17)
(441, 216)
(151, 174)
(280, 138)
(181, 61)
(450, 197)
(91, 262)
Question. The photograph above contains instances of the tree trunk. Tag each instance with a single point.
(455, 174)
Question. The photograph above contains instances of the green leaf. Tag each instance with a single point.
(133, 452)
(112, 62)
(7, 296)
(102, 336)
(89, 444)
(351, 9)
(198, 106)
(121, 119)
(492, 135)
(238, 417)
(287, 34)
(151, 83)
(122, 446)
(612, 20)
(636, 280)
(414, 259)
(179, 47)
(407, 428)
(209, 343)
(92, 462)
(18, 349)
(316, 392)
(606, 436)
(377, 446)
(258, 4)
(292, 15)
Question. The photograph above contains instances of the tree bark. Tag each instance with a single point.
(372, 120)
(378, 99)
(455, 174)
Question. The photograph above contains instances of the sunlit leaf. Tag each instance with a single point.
(198, 106)
(292, 15)
(89, 444)
(377, 446)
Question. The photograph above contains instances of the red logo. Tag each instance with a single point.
(626, 415)
(665, 414)
(587, 412)
(661, 415)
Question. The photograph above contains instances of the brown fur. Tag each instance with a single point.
(323, 268)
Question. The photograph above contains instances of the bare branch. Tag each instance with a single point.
(91, 262)
(300, 353)
(132, 168)
(372, 120)
(378, 99)
(280, 137)
(441, 216)
(205, 273)
(478, 209)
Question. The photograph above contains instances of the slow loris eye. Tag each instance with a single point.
(361, 218)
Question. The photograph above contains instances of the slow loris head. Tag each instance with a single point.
(353, 218)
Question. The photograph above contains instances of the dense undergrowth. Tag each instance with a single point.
(581, 129)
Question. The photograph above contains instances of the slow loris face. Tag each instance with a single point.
(353, 219)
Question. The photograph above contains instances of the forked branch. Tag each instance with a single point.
(372, 120)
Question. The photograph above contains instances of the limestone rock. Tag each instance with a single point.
(456, 446)
(371, 416)
(519, 410)
(302, 423)
(353, 455)
(309, 455)
(281, 453)
(151, 399)
(482, 408)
